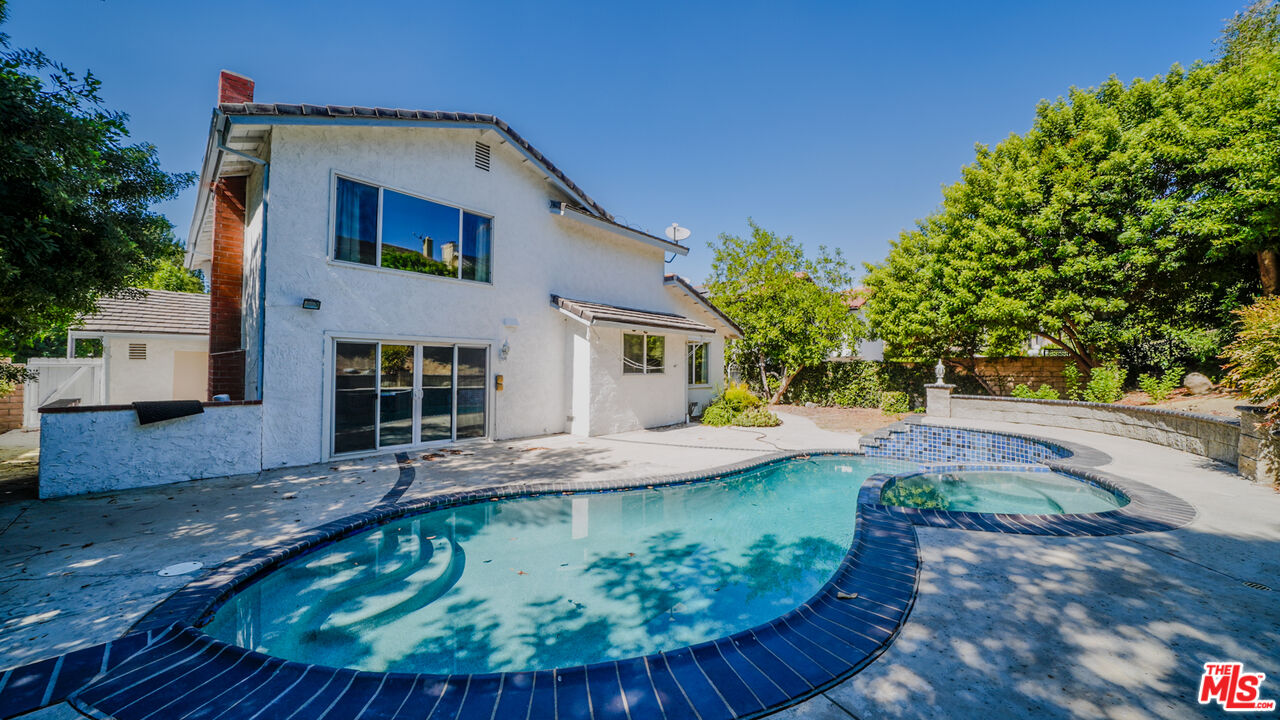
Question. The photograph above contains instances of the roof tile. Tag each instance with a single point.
(160, 312)
(593, 312)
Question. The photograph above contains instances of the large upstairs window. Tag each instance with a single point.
(377, 226)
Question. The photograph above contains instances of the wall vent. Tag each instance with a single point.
(482, 156)
(137, 351)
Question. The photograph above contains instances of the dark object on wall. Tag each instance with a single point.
(155, 411)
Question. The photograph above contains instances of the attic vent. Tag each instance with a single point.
(482, 156)
(137, 351)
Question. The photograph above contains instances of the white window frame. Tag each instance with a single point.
(332, 252)
(646, 369)
(330, 411)
(706, 363)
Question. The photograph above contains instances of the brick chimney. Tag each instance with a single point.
(226, 274)
(234, 88)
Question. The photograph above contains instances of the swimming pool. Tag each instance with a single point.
(560, 580)
(1005, 491)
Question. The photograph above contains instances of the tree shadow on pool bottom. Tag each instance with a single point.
(678, 593)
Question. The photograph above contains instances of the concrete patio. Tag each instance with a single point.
(1004, 626)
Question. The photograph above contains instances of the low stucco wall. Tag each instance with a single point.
(88, 450)
(1204, 435)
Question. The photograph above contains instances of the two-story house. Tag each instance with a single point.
(385, 279)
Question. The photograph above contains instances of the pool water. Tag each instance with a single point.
(555, 581)
(1016, 492)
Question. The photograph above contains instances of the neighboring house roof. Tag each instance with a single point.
(856, 298)
(153, 312)
(700, 296)
(592, 313)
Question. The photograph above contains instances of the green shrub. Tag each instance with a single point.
(757, 417)
(1159, 388)
(718, 413)
(859, 383)
(1071, 378)
(1253, 358)
(739, 397)
(894, 402)
(1046, 392)
(1106, 384)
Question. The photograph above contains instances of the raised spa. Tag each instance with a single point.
(561, 580)
(1014, 492)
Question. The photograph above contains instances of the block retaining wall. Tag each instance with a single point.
(1205, 435)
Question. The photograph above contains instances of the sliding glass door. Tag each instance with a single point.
(389, 395)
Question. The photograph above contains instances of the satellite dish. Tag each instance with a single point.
(676, 233)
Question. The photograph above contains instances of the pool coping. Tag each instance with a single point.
(857, 613)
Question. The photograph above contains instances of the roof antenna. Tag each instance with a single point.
(675, 234)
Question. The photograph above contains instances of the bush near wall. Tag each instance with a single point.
(860, 383)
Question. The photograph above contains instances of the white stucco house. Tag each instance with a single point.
(385, 279)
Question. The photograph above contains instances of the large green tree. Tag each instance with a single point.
(791, 308)
(1236, 178)
(1128, 221)
(75, 202)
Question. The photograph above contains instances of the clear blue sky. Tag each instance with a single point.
(837, 122)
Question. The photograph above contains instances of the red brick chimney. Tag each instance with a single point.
(234, 88)
(226, 274)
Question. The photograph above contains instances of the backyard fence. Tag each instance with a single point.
(62, 382)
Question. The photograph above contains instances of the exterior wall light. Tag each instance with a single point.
(505, 350)
(310, 304)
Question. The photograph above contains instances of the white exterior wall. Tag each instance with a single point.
(251, 317)
(621, 402)
(150, 379)
(694, 309)
(535, 254)
(102, 450)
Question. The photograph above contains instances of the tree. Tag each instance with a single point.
(171, 273)
(75, 217)
(791, 309)
(1088, 230)
(1237, 170)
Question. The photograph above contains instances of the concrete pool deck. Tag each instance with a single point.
(1003, 625)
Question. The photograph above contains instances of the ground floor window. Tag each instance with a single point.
(642, 354)
(699, 373)
(390, 394)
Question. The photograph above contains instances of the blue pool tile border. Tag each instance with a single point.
(845, 626)
(1149, 509)
(851, 620)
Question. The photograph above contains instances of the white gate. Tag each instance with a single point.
(62, 382)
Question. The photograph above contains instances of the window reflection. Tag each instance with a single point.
(437, 393)
(395, 401)
(355, 397)
(416, 235)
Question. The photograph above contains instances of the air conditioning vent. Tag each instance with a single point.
(482, 156)
(137, 351)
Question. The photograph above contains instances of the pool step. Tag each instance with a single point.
(421, 587)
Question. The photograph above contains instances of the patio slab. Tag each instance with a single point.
(1003, 626)
(1115, 627)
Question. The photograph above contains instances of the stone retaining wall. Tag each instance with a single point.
(1205, 435)
(1258, 460)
